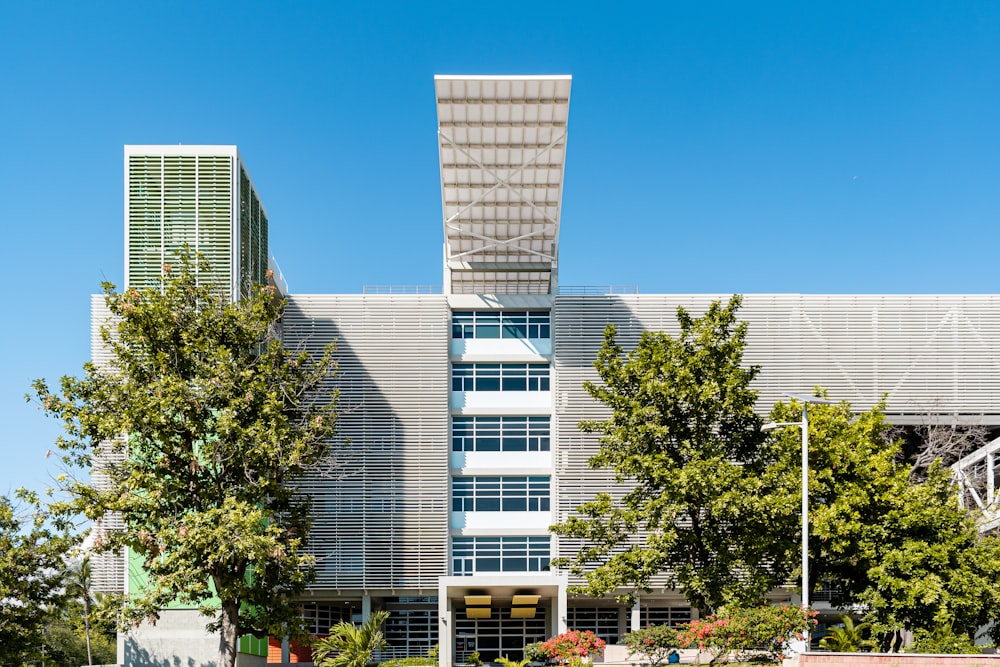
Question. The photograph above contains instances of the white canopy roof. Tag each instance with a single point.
(502, 142)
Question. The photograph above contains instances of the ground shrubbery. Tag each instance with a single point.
(654, 644)
(759, 634)
(573, 648)
(417, 661)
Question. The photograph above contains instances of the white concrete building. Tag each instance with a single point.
(461, 406)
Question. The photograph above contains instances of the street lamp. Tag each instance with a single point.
(804, 425)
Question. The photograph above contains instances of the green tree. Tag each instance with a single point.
(654, 644)
(934, 572)
(351, 646)
(903, 550)
(78, 587)
(685, 443)
(203, 424)
(756, 634)
(32, 547)
(66, 646)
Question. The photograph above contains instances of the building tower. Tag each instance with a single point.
(502, 144)
(200, 197)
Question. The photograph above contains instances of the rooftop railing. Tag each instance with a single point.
(598, 289)
(401, 289)
(437, 289)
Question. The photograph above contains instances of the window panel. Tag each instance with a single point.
(672, 616)
(412, 628)
(602, 621)
(500, 494)
(520, 324)
(508, 434)
(318, 618)
(500, 377)
(477, 555)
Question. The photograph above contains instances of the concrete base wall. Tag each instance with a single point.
(895, 659)
(244, 660)
(178, 639)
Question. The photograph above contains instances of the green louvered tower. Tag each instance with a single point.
(199, 196)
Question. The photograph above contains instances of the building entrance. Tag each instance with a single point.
(499, 635)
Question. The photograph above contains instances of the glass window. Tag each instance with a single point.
(515, 324)
(500, 377)
(518, 324)
(462, 325)
(602, 621)
(501, 494)
(507, 434)
(487, 325)
(472, 555)
(672, 616)
(412, 627)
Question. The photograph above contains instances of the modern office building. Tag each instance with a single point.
(461, 406)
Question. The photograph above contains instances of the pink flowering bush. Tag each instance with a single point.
(655, 643)
(751, 633)
(571, 647)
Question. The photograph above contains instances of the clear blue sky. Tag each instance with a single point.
(713, 146)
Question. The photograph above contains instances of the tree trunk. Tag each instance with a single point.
(86, 625)
(227, 634)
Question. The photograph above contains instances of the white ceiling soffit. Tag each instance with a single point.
(502, 144)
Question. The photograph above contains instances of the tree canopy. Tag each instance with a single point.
(31, 574)
(902, 550)
(200, 426)
(708, 502)
(696, 471)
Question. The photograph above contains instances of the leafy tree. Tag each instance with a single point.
(66, 646)
(758, 634)
(696, 471)
(654, 643)
(204, 424)
(31, 574)
(942, 640)
(350, 646)
(903, 550)
(78, 587)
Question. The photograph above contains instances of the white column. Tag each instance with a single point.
(561, 608)
(446, 638)
(366, 607)
(635, 618)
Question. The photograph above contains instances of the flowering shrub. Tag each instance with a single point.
(571, 647)
(535, 653)
(749, 633)
(654, 643)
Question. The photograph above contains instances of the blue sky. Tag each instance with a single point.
(713, 146)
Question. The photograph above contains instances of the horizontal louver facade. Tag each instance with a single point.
(931, 354)
(382, 507)
(107, 569)
(177, 199)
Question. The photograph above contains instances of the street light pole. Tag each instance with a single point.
(805, 511)
(804, 425)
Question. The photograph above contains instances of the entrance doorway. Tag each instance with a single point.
(498, 636)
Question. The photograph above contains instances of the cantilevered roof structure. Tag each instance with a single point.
(502, 143)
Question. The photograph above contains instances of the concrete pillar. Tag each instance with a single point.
(286, 651)
(366, 607)
(446, 636)
(635, 617)
(561, 609)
